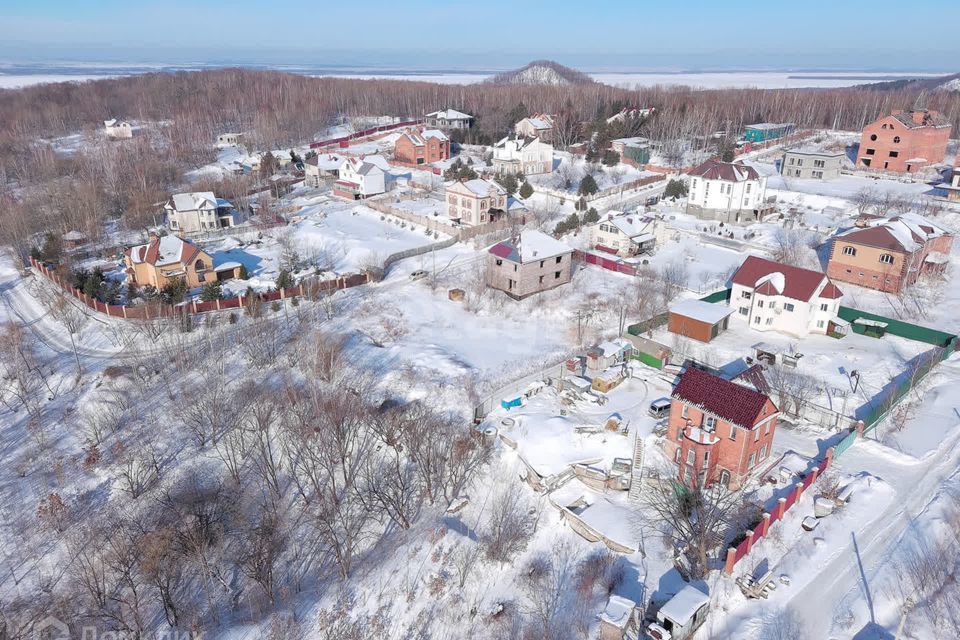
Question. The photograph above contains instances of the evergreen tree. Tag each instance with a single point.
(611, 158)
(174, 291)
(675, 189)
(526, 190)
(243, 275)
(591, 216)
(284, 280)
(211, 291)
(588, 186)
(581, 205)
(509, 182)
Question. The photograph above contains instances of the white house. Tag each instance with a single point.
(361, 177)
(536, 126)
(449, 119)
(627, 234)
(727, 191)
(198, 212)
(517, 154)
(315, 168)
(229, 139)
(771, 296)
(117, 129)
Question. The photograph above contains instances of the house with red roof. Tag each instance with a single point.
(889, 254)
(772, 296)
(719, 431)
(164, 259)
(530, 263)
(731, 192)
(421, 146)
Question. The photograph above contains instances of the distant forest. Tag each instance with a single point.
(41, 189)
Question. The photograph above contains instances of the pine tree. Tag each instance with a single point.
(284, 280)
(526, 190)
(243, 275)
(588, 186)
(174, 291)
(611, 158)
(509, 182)
(591, 216)
(211, 291)
(675, 189)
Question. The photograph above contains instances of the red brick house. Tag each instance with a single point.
(419, 146)
(904, 141)
(719, 431)
(889, 254)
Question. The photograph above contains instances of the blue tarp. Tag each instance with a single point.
(515, 402)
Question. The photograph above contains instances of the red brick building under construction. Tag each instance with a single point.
(904, 141)
(719, 431)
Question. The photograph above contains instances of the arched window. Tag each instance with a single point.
(896, 139)
(725, 478)
(849, 251)
(886, 258)
(199, 266)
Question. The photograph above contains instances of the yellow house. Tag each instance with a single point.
(168, 258)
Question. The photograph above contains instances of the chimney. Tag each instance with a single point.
(152, 236)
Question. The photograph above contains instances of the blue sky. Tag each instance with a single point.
(853, 34)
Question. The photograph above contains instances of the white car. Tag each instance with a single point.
(418, 274)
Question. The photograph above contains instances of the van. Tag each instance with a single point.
(659, 408)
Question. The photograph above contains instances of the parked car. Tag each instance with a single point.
(659, 408)
(418, 274)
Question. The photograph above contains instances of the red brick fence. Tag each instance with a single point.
(735, 554)
(308, 288)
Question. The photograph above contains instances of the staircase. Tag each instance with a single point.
(636, 473)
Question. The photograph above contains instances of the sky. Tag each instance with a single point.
(592, 35)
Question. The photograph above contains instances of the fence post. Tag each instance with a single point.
(124, 307)
(781, 508)
(797, 492)
(765, 527)
(829, 458)
(815, 473)
(749, 540)
(731, 561)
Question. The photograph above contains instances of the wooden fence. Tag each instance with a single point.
(309, 288)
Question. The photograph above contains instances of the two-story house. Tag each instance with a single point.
(422, 146)
(517, 154)
(904, 141)
(449, 119)
(198, 212)
(771, 296)
(167, 258)
(889, 254)
(530, 263)
(812, 164)
(626, 234)
(730, 192)
(475, 202)
(719, 431)
(361, 177)
(536, 126)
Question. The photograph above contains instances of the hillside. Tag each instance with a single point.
(542, 72)
(943, 83)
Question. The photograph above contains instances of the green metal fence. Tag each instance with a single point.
(648, 325)
(914, 373)
(649, 360)
(718, 296)
(844, 444)
(900, 328)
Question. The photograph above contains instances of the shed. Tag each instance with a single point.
(607, 379)
(697, 319)
(872, 328)
(649, 352)
(619, 616)
(682, 615)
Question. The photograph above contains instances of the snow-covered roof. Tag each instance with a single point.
(618, 611)
(937, 257)
(729, 171)
(434, 133)
(700, 310)
(162, 251)
(74, 235)
(630, 225)
(530, 246)
(482, 187)
(681, 607)
(768, 126)
(906, 232)
(110, 122)
(450, 114)
(613, 347)
(367, 164)
(815, 151)
(194, 201)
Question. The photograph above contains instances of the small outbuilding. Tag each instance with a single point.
(699, 320)
(620, 617)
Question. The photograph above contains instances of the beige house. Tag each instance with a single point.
(475, 202)
(168, 258)
(529, 264)
(811, 164)
(626, 234)
(536, 126)
(117, 129)
(448, 119)
(517, 154)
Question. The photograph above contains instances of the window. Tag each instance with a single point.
(676, 456)
(499, 262)
(788, 306)
(763, 452)
(679, 433)
(866, 162)
(725, 478)
(752, 461)
(849, 251)
(873, 136)
(819, 164)
(871, 152)
(894, 154)
(556, 275)
(686, 411)
(746, 295)
(886, 258)
(748, 187)
(514, 267)
(706, 459)
(756, 435)
(733, 432)
(559, 258)
(756, 320)
(792, 161)
(896, 139)
(817, 174)
(799, 162)
(769, 321)
(760, 304)
(825, 306)
(819, 324)
(541, 279)
(693, 183)
(744, 311)
(509, 284)
(691, 456)
(710, 422)
(199, 266)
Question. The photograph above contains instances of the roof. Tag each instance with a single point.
(905, 233)
(481, 188)
(729, 171)
(927, 119)
(727, 400)
(814, 151)
(618, 611)
(418, 138)
(634, 141)
(630, 225)
(516, 141)
(700, 310)
(367, 164)
(450, 114)
(530, 246)
(767, 126)
(540, 121)
(196, 200)
(681, 607)
(162, 251)
(767, 277)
